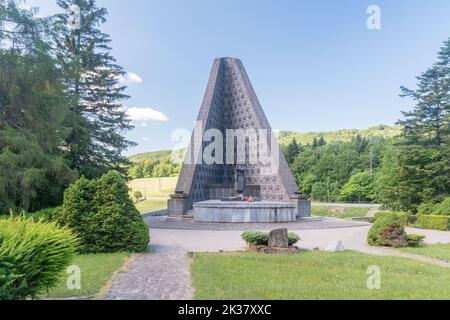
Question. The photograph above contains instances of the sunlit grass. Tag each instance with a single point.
(96, 270)
(314, 275)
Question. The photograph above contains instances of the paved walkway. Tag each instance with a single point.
(154, 276)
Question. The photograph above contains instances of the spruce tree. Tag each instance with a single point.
(93, 85)
(422, 157)
(33, 173)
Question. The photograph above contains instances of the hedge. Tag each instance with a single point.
(32, 256)
(434, 222)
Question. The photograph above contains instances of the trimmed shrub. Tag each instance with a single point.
(415, 240)
(387, 231)
(293, 238)
(441, 223)
(426, 208)
(102, 214)
(405, 218)
(443, 208)
(256, 238)
(259, 238)
(32, 256)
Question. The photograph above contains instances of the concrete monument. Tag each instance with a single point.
(234, 155)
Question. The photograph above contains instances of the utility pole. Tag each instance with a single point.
(371, 161)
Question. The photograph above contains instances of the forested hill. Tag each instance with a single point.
(304, 138)
(345, 135)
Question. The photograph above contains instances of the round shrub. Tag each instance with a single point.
(32, 256)
(426, 208)
(256, 238)
(102, 214)
(387, 231)
(293, 238)
(415, 240)
(443, 208)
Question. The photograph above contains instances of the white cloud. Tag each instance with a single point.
(131, 77)
(146, 114)
(145, 138)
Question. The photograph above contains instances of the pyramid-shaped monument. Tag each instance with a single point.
(230, 105)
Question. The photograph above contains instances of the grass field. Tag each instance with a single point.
(314, 275)
(438, 251)
(154, 187)
(339, 212)
(151, 206)
(156, 190)
(96, 270)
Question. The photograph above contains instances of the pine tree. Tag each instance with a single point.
(93, 81)
(293, 149)
(422, 158)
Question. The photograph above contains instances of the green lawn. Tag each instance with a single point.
(96, 270)
(156, 190)
(339, 212)
(154, 187)
(151, 206)
(439, 251)
(314, 275)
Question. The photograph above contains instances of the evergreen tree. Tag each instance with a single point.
(93, 84)
(33, 174)
(293, 149)
(420, 171)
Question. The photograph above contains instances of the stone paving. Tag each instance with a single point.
(154, 276)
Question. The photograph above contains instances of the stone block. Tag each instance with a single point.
(279, 238)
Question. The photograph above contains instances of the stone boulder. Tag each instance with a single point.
(279, 238)
(335, 246)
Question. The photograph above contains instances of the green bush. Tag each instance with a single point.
(256, 238)
(405, 218)
(443, 208)
(434, 222)
(259, 238)
(426, 208)
(102, 214)
(42, 215)
(387, 230)
(293, 238)
(32, 256)
(415, 240)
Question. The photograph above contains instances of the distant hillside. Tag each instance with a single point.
(156, 155)
(345, 135)
(304, 138)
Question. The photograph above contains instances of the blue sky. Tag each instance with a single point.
(314, 64)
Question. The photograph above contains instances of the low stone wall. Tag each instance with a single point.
(242, 212)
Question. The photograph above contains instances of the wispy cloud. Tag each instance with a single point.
(143, 115)
(131, 77)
